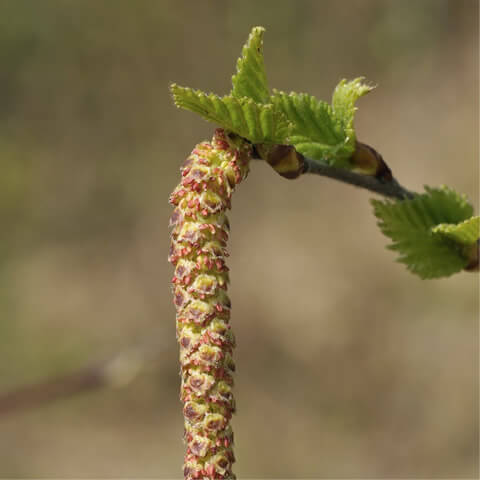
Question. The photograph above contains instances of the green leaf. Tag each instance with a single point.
(343, 103)
(466, 232)
(257, 123)
(250, 79)
(409, 224)
(316, 132)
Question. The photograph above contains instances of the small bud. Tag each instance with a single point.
(367, 161)
(284, 159)
(472, 253)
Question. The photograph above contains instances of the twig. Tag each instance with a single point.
(388, 188)
(289, 163)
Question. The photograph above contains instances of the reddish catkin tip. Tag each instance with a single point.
(198, 237)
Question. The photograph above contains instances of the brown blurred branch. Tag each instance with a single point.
(45, 392)
(119, 371)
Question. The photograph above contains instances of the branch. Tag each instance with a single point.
(119, 371)
(45, 392)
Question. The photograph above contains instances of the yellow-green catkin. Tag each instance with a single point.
(199, 235)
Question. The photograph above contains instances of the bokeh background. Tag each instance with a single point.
(347, 365)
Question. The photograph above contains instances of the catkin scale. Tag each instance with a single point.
(199, 235)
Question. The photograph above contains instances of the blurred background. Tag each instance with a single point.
(347, 365)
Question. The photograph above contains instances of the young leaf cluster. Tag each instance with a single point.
(316, 129)
(419, 235)
(433, 233)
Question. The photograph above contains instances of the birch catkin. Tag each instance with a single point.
(198, 251)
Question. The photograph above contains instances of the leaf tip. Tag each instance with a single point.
(250, 80)
(258, 30)
(178, 94)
